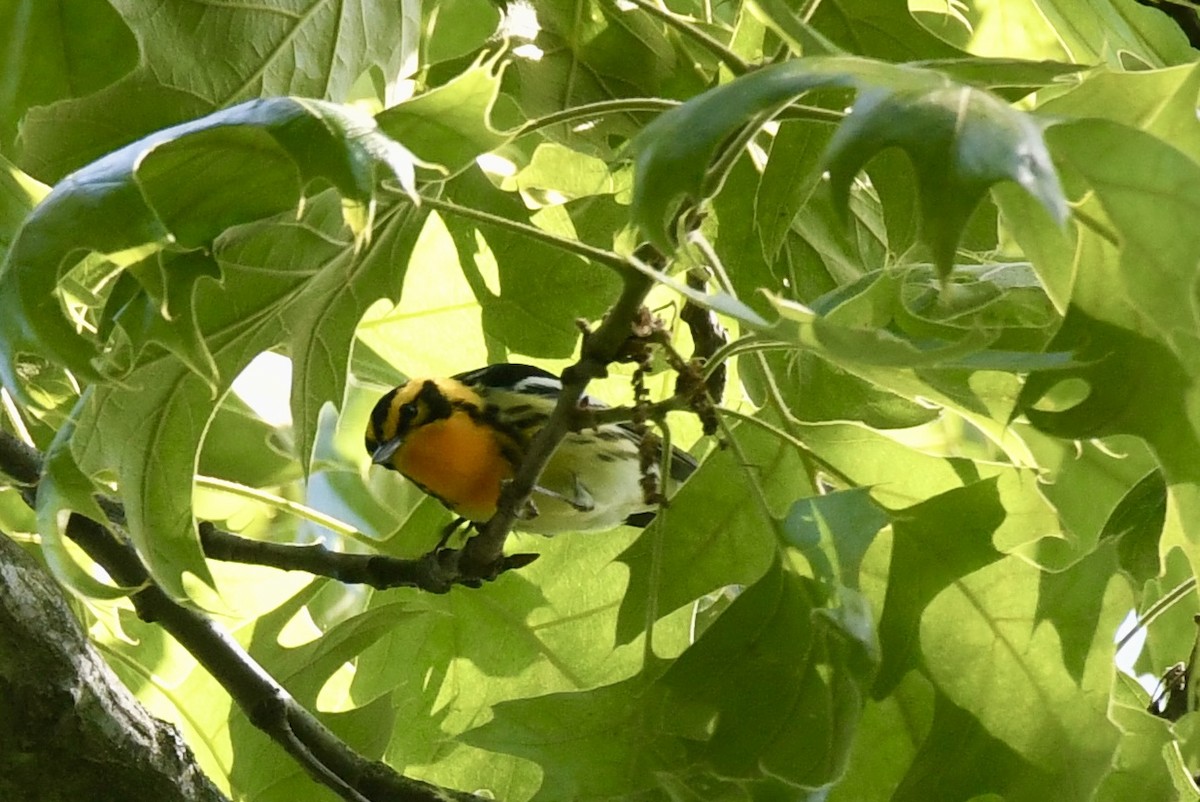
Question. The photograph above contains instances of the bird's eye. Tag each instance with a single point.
(408, 413)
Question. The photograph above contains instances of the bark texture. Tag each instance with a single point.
(69, 730)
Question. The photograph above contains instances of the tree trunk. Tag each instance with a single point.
(69, 730)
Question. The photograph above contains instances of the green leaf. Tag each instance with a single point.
(548, 628)
(18, 195)
(936, 543)
(596, 52)
(194, 182)
(882, 29)
(715, 532)
(737, 241)
(459, 27)
(889, 734)
(258, 765)
(961, 140)
(1087, 485)
(241, 447)
(800, 36)
(58, 50)
(323, 320)
(542, 290)
(1140, 768)
(149, 428)
(1073, 600)
(755, 696)
(788, 182)
(1136, 523)
(567, 174)
(1010, 78)
(817, 391)
(1125, 318)
(1102, 32)
(981, 632)
(264, 51)
(834, 531)
(904, 334)
(1160, 102)
(761, 694)
(180, 186)
(959, 759)
(571, 736)
(64, 489)
(450, 125)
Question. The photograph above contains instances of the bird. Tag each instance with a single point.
(460, 438)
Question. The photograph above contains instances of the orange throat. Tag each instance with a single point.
(458, 461)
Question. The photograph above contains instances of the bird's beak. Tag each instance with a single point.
(383, 454)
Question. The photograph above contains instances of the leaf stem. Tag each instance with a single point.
(715, 176)
(609, 259)
(1173, 597)
(295, 508)
(735, 63)
(802, 111)
(597, 109)
(1098, 228)
(760, 493)
(656, 533)
(751, 343)
(806, 452)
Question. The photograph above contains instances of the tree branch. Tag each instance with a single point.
(66, 720)
(267, 705)
(484, 553)
(436, 572)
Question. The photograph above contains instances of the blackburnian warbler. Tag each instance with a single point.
(460, 438)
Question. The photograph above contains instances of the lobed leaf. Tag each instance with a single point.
(292, 47)
(983, 647)
(961, 140)
(936, 543)
(758, 698)
(449, 125)
(715, 533)
(134, 201)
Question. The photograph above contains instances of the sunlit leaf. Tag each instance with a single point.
(265, 51)
(1105, 30)
(716, 531)
(936, 543)
(131, 201)
(450, 125)
(961, 140)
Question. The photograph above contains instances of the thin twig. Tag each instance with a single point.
(593, 418)
(435, 572)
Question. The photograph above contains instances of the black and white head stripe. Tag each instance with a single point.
(515, 378)
(522, 379)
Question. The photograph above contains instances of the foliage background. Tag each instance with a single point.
(943, 490)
